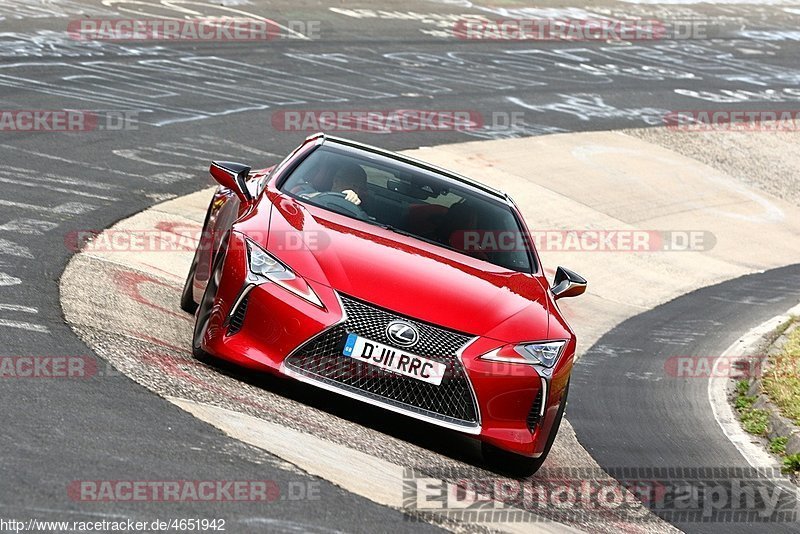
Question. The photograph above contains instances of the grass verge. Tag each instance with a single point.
(781, 381)
(753, 420)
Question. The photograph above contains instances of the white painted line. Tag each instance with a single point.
(750, 449)
(72, 161)
(12, 249)
(24, 326)
(28, 226)
(22, 205)
(68, 208)
(60, 511)
(73, 208)
(18, 308)
(8, 280)
(24, 183)
(24, 174)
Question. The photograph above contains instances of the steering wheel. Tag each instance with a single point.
(338, 202)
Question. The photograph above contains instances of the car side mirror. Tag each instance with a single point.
(567, 284)
(233, 176)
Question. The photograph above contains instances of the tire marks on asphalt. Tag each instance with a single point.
(94, 187)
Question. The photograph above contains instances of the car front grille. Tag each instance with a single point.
(451, 403)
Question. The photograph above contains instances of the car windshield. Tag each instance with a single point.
(412, 201)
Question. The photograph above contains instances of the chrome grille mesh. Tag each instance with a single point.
(321, 359)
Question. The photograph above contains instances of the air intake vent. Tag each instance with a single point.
(536, 409)
(237, 319)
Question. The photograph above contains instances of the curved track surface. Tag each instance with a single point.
(189, 102)
(632, 411)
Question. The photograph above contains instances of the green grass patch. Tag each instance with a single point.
(784, 327)
(791, 463)
(778, 445)
(742, 387)
(744, 402)
(782, 380)
(755, 421)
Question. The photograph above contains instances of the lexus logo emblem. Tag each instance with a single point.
(402, 333)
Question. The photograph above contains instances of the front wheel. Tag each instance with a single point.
(522, 466)
(187, 297)
(206, 306)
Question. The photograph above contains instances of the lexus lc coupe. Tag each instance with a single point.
(392, 281)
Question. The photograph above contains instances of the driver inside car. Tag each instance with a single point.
(349, 179)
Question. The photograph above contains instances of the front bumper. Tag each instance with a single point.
(265, 327)
(451, 404)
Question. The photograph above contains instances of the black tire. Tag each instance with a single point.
(206, 305)
(521, 466)
(187, 297)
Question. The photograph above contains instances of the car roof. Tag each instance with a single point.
(324, 138)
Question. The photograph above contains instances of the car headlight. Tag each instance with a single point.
(264, 265)
(545, 354)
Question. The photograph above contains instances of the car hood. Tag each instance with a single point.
(406, 275)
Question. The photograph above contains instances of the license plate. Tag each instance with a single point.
(393, 359)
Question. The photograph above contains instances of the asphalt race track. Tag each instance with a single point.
(166, 108)
(662, 420)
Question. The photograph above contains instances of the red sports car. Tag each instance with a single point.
(391, 281)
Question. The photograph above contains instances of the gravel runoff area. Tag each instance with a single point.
(765, 160)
